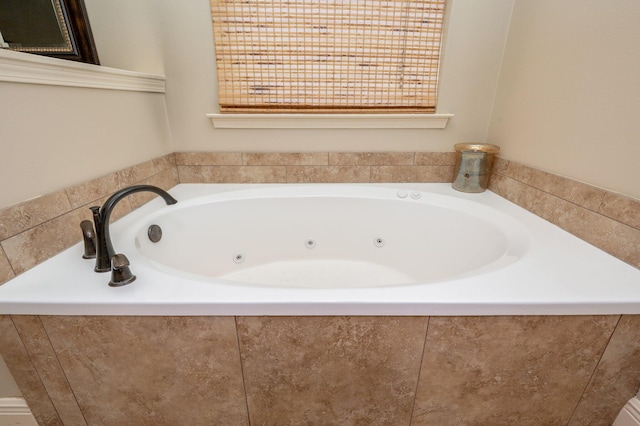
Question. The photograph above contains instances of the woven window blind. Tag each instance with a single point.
(327, 55)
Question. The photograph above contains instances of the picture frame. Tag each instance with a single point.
(56, 28)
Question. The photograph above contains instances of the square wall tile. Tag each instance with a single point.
(285, 159)
(371, 158)
(208, 158)
(331, 370)
(151, 370)
(528, 370)
(20, 217)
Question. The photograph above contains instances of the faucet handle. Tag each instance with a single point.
(89, 238)
(120, 272)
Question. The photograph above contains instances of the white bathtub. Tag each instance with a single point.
(405, 249)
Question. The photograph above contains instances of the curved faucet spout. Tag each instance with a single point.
(101, 216)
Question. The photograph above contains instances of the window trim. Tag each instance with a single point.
(19, 67)
(329, 121)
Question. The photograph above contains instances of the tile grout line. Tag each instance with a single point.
(415, 392)
(562, 199)
(64, 373)
(37, 371)
(4, 253)
(244, 384)
(613, 194)
(565, 181)
(604, 349)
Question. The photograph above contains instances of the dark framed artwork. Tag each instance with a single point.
(58, 28)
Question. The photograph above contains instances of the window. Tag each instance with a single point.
(320, 56)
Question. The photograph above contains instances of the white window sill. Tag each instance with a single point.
(19, 67)
(329, 121)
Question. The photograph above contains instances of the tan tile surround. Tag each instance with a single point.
(335, 370)
(604, 219)
(511, 370)
(37, 229)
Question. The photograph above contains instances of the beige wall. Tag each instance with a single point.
(568, 100)
(52, 137)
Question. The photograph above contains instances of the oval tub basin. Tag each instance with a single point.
(315, 238)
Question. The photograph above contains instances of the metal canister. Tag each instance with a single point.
(473, 166)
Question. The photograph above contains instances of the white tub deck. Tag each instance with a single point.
(556, 274)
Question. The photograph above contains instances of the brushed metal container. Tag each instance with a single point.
(473, 166)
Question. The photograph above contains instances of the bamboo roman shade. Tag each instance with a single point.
(327, 55)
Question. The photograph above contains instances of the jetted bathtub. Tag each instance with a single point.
(334, 249)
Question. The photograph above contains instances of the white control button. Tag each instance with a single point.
(415, 195)
(402, 194)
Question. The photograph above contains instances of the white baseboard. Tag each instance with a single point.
(630, 414)
(15, 411)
